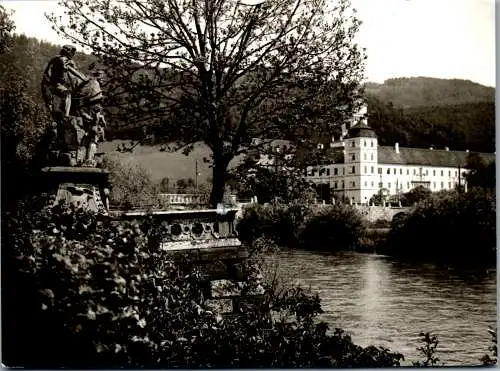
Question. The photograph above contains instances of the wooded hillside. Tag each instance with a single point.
(420, 112)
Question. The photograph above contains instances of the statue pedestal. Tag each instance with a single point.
(84, 187)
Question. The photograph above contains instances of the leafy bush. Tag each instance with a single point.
(132, 186)
(97, 292)
(449, 227)
(297, 224)
(416, 195)
(281, 223)
(428, 350)
(487, 359)
(335, 227)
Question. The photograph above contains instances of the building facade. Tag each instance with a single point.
(362, 168)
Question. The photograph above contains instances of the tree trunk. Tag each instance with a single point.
(219, 180)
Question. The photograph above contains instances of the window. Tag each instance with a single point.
(366, 183)
(394, 171)
(442, 185)
(434, 185)
(342, 184)
(343, 171)
(371, 143)
(380, 170)
(353, 184)
(426, 172)
(414, 171)
(335, 185)
(353, 170)
(373, 169)
(400, 171)
(408, 185)
(380, 185)
(373, 184)
(407, 171)
(388, 171)
(389, 185)
(442, 172)
(353, 157)
(449, 184)
(364, 156)
(449, 174)
(371, 157)
(335, 171)
(328, 172)
(456, 173)
(433, 172)
(353, 144)
(366, 170)
(364, 143)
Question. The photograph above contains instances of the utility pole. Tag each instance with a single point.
(196, 175)
(459, 179)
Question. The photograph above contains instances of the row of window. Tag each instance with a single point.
(420, 172)
(326, 171)
(401, 185)
(365, 157)
(389, 184)
(353, 144)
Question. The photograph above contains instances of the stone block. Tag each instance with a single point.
(222, 306)
(225, 288)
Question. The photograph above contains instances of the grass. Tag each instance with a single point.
(172, 165)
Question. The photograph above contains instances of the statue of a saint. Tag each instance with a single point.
(74, 101)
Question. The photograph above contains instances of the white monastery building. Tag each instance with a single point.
(359, 168)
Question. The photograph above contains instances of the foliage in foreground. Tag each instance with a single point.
(492, 359)
(99, 293)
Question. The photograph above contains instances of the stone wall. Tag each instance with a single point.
(374, 213)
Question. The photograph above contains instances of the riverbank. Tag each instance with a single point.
(448, 227)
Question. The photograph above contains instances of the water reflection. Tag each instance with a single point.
(385, 302)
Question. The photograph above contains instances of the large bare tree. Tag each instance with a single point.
(224, 72)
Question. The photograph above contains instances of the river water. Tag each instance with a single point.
(382, 301)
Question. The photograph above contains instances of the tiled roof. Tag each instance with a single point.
(426, 157)
(361, 130)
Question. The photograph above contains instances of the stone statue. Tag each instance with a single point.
(74, 101)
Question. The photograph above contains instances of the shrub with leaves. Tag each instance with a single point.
(281, 223)
(448, 227)
(132, 186)
(336, 227)
(84, 290)
(488, 359)
(428, 350)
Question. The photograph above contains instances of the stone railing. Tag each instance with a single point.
(182, 199)
(374, 213)
(205, 237)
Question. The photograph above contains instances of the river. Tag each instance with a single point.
(379, 300)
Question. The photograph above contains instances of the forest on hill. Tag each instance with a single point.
(410, 92)
(416, 112)
(459, 126)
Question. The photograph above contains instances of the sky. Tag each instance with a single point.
(403, 38)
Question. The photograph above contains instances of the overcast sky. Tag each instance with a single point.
(403, 38)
